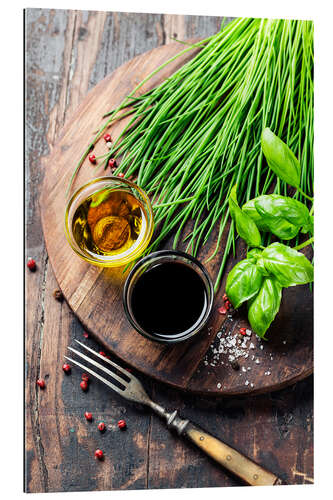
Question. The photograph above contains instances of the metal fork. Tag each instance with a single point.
(132, 389)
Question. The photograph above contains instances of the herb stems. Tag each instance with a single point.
(197, 134)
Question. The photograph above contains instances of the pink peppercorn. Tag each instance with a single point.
(122, 424)
(31, 264)
(99, 454)
(41, 383)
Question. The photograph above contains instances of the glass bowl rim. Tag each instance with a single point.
(150, 223)
(166, 253)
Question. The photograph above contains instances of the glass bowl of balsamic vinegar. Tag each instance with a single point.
(168, 296)
(109, 221)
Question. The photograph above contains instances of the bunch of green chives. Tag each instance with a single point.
(198, 133)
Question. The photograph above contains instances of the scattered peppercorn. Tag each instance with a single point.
(102, 353)
(242, 331)
(66, 367)
(92, 158)
(41, 383)
(88, 416)
(227, 304)
(99, 454)
(84, 385)
(58, 295)
(225, 298)
(85, 377)
(122, 424)
(107, 138)
(222, 310)
(121, 175)
(235, 364)
(86, 335)
(31, 264)
(112, 163)
(101, 426)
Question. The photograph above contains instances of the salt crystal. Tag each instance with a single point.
(109, 145)
(261, 347)
(243, 369)
(246, 382)
(219, 385)
(257, 361)
(252, 385)
(248, 332)
(248, 368)
(251, 346)
(284, 342)
(246, 355)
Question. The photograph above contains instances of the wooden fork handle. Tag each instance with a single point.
(231, 459)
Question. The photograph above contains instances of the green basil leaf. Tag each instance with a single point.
(281, 228)
(243, 282)
(245, 226)
(280, 158)
(101, 195)
(261, 266)
(253, 255)
(309, 227)
(250, 210)
(283, 207)
(289, 266)
(264, 306)
(278, 214)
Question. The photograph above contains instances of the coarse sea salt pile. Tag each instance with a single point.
(229, 344)
(235, 346)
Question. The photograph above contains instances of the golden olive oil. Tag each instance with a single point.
(108, 222)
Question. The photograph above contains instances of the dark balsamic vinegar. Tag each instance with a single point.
(169, 299)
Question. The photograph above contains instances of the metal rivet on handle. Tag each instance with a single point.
(228, 457)
(201, 438)
(255, 476)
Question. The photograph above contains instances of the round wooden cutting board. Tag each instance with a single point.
(202, 364)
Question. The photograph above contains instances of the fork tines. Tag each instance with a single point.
(113, 375)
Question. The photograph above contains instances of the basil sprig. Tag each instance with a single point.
(261, 277)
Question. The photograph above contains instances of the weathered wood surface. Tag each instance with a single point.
(67, 53)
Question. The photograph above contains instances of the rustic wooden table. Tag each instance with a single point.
(67, 53)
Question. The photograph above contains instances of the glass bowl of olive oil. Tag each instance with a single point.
(109, 221)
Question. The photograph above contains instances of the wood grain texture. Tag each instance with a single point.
(273, 429)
